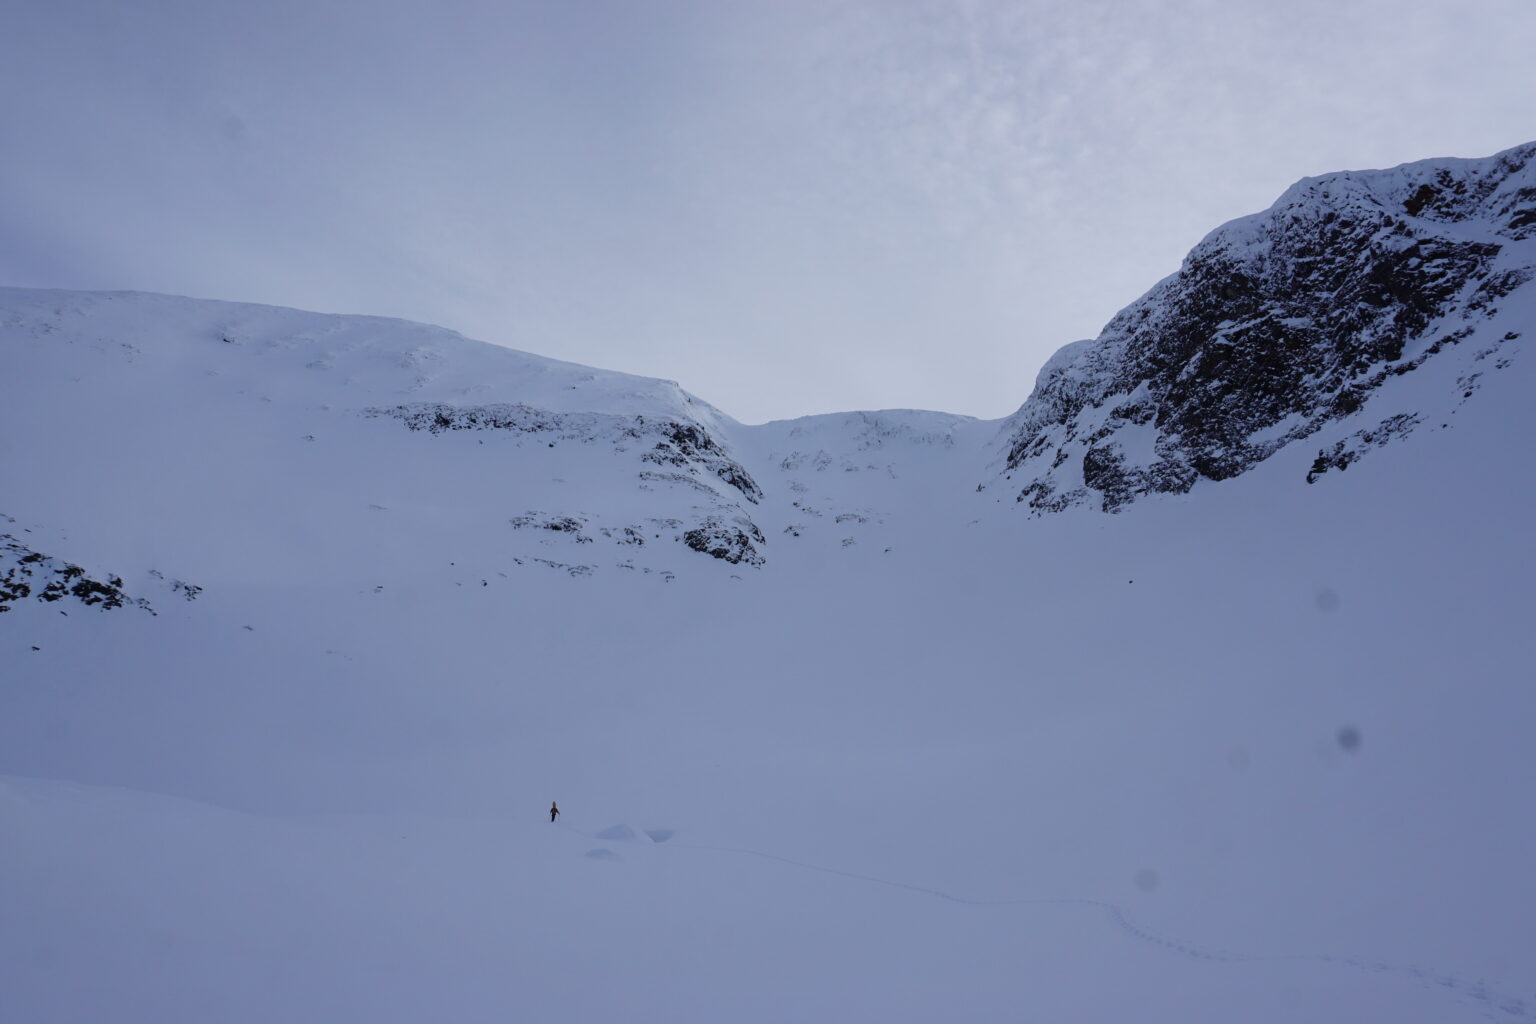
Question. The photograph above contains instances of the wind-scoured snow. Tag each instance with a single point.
(839, 730)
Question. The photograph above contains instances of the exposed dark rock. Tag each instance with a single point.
(554, 523)
(684, 445)
(26, 573)
(730, 540)
(572, 570)
(687, 444)
(182, 587)
(436, 418)
(1043, 497)
(632, 535)
(1276, 325)
(688, 480)
(1361, 441)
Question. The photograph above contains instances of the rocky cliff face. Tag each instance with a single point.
(1278, 325)
(673, 453)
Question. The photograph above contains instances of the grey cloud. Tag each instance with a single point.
(789, 207)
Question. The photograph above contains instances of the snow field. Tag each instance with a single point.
(1160, 765)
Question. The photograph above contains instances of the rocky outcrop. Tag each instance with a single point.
(733, 540)
(25, 573)
(1352, 447)
(1276, 325)
(687, 446)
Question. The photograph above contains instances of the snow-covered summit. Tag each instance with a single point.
(327, 359)
(1285, 323)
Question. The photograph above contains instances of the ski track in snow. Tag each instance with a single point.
(1476, 993)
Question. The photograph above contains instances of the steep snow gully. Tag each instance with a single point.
(1198, 689)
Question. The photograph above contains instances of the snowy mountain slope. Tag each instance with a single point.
(1285, 326)
(406, 432)
(1255, 755)
(1254, 751)
(327, 407)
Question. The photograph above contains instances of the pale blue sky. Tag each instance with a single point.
(789, 207)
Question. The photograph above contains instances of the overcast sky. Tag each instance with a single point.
(789, 207)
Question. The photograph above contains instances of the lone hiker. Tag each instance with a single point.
(554, 811)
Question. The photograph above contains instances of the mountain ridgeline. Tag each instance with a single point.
(1360, 309)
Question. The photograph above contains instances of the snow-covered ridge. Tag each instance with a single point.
(685, 445)
(1282, 323)
(1360, 310)
(141, 395)
(362, 360)
(239, 404)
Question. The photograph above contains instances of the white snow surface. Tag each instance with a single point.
(1260, 752)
